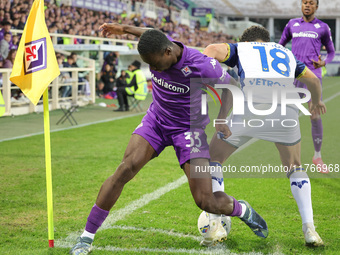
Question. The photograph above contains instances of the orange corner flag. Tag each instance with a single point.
(35, 65)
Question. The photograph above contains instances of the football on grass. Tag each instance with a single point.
(203, 223)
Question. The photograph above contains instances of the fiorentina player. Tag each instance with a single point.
(173, 119)
(308, 34)
(265, 67)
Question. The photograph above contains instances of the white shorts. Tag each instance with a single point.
(277, 128)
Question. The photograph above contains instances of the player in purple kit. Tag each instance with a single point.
(308, 34)
(173, 119)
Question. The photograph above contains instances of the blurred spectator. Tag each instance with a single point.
(66, 90)
(99, 90)
(15, 42)
(121, 81)
(137, 87)
(110, 59)
(9, 61)
(6, 27)
(4, 45)
(81, 21)
(108, 78)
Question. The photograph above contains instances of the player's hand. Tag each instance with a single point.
(319, 63)
(318, 108)
(108, 29)
(223, 131)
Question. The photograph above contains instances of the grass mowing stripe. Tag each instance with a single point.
(219, 249)
(331, 97)
(77, 126)
(155, 230)
(120, 214)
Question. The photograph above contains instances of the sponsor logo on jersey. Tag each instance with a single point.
(213, 63)
(178, 87)
(224, 74)
(296, 24)
(186, 71)
(307, 34)
(317, 25)
(35, 56)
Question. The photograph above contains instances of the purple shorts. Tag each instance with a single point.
(188, 142)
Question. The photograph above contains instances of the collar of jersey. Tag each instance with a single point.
(179, 64)
(315, 20)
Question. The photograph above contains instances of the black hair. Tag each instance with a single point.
(153, 41)
(255, 33)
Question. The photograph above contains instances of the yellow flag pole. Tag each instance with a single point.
(48, 170)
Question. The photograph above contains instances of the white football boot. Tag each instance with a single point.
(312, 238)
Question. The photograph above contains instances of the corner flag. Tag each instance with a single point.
(35, 65)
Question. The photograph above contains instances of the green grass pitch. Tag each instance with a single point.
(84, 157)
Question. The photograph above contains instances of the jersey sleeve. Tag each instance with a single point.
(300, 69)
(232, 56)
(328, 42)
(286, 35)
(213, 73)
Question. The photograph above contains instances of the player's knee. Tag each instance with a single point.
(126, 171)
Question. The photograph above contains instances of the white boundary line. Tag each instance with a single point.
(219, 249)
(331, 97)
(116, 215)
(77, 126)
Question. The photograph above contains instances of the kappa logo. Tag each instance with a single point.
(186, 71)
(35, 56)
(213, 63)
(296, 24)
(195, 150)
(317, 25)
(318, 140)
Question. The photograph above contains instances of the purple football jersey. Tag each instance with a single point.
(176, 92)
(307, 40)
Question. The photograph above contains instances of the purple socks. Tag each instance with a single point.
(237, 209)
(95, 219)
(317, 132)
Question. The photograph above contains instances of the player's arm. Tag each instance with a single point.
(227, 100)
(223, 130)
(286, 35)
(109, 29)
(314, 86)
(220, 52)
(328, 43)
